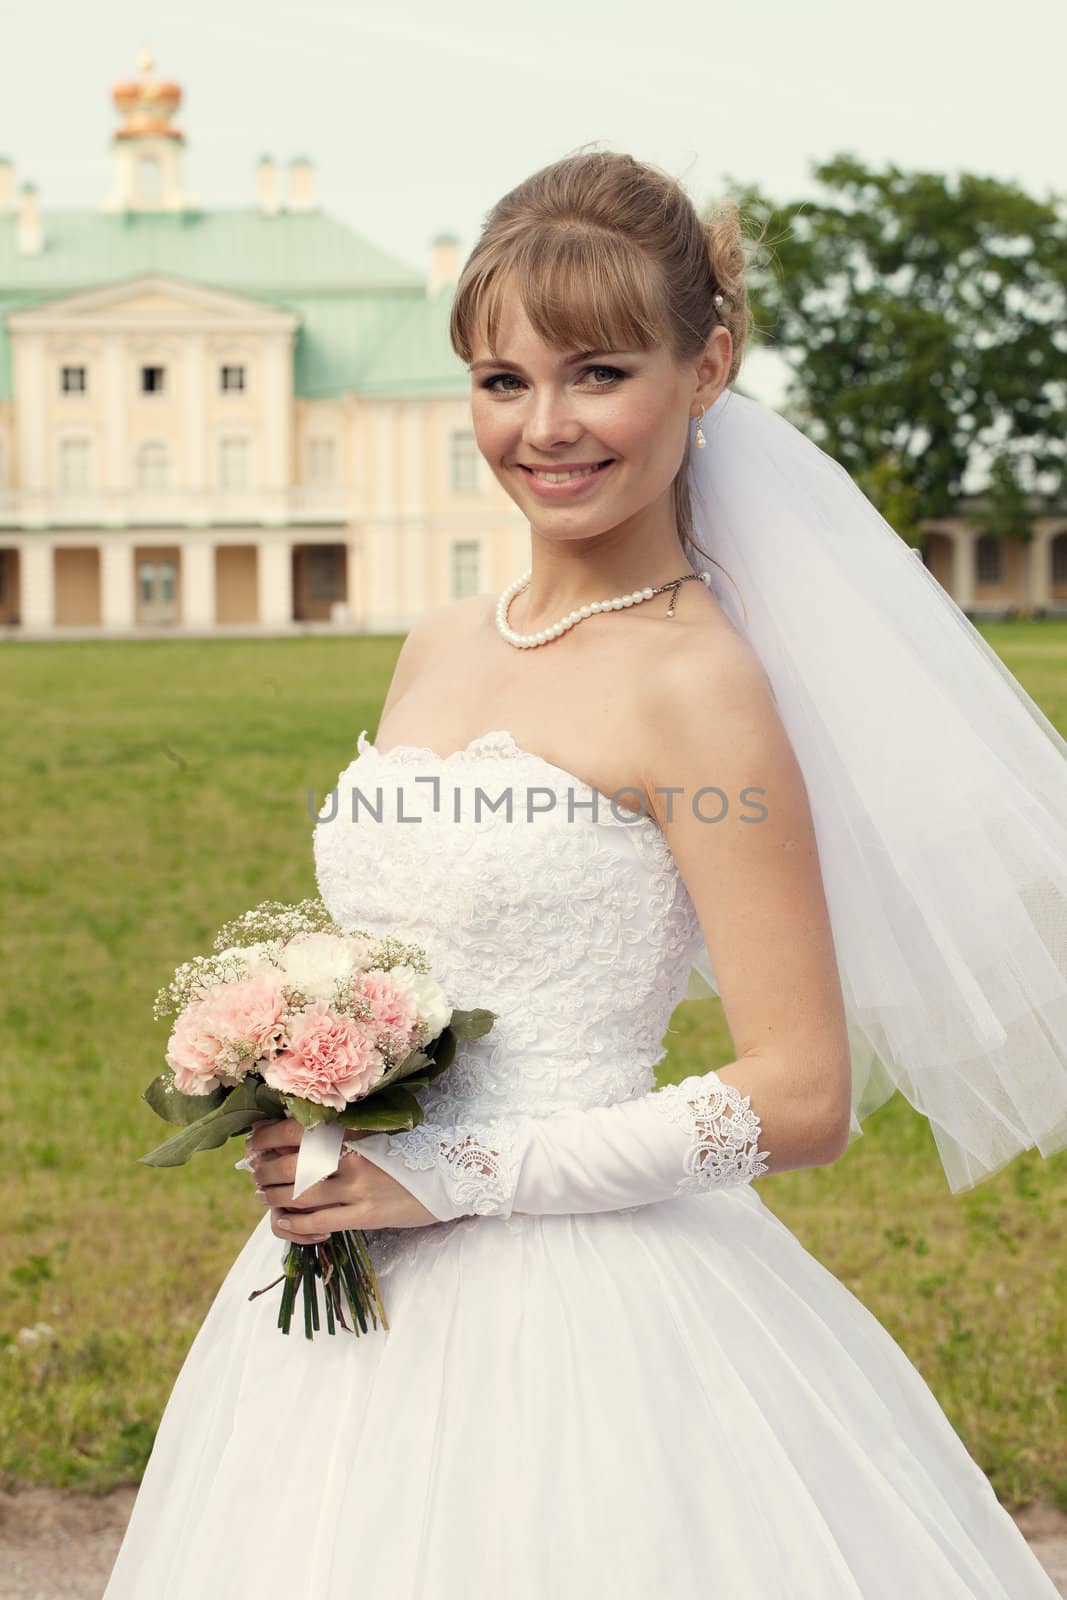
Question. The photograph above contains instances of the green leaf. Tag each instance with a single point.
(472, 1024)
(385, 1111)
(270, 1100)
(237, 1114)
(308, 1112)
(172, 1106)
(443, 1052)
(413, 1062)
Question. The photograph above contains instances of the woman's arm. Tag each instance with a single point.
(757, 888)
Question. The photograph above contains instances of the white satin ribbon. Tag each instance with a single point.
(320, 1154)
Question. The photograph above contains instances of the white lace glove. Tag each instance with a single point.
(690, 1136)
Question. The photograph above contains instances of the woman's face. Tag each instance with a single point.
(618, 418)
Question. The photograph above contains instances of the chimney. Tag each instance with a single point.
(266, 186)
(7, 185)
(301, 195)
(28, 240)
(444, 263)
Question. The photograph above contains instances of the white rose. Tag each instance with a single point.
(426, 995)
(315, 963)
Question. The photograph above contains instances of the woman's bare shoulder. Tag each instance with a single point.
(700, 691)
(430, 635)
(446, 622)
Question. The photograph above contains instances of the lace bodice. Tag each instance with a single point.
(569, 919)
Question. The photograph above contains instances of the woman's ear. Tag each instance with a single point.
(713, 368)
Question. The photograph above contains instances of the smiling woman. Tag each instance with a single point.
(572, 1254)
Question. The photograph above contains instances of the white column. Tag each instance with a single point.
(117, 460)
(277, 413)
(116, 583)
(198, 583)
(357, 587)
(195, 428)
(383, 578)
(37, 583)
(1040, 563)
(30, 412)
(275, 575)
(414, 595)
(963, 568)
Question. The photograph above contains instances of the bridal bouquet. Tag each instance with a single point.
(289, 1016)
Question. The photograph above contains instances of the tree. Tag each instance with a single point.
(925, 321)
(1006, 510)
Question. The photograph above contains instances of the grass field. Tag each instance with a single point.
(154, 789)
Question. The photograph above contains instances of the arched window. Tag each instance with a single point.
(321, 461)
(464, 461)
(233, 462)
(152, 470)
(465, 568)
(74, 458)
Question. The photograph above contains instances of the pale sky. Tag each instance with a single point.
(419, 115)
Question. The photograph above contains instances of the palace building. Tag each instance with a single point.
(253, 418)
(249, 417)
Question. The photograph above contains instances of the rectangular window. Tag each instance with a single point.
(324, 574)
(466, 569)
(464, 462)
(321, 462)
(233, 463)
(988, 560)
(232, 380)
(72, 380)
(152, 380)
(73, 465)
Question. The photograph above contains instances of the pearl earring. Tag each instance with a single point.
(700, 439)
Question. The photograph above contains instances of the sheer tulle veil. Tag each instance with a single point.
(938, 790)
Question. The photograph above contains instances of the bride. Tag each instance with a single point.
(783, 768)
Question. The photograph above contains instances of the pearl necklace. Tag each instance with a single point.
(526, 641)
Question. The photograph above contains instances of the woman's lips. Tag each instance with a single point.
(570, 486)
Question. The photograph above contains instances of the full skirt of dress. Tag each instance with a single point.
(673, 1400)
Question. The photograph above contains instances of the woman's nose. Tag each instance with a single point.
(550, 421)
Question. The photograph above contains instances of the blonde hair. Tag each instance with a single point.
(609, 253)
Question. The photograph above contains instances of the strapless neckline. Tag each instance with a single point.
(501, 742)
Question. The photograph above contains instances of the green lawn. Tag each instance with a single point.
(153, 790)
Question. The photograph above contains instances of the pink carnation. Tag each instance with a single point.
(392, 1010)
(201, 1051)
(331, 1059)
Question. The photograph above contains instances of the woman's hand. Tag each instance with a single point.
(357, 1195)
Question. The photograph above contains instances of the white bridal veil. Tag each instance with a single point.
(938, 790)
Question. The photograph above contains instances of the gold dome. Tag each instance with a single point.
(147, 104)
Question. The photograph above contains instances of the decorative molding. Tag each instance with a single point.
(215, 310)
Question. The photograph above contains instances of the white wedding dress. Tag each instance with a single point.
(671, 1399)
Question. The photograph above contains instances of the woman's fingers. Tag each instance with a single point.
(306, 1225)
(275, 1134)
(323, 1193)
(281, 1229)
(276, 1175)
(277, 1167)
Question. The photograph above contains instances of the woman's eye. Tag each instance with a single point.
(499, 378)
(511, 384)
(614, 371)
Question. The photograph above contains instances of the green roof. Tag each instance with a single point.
(415, 356)
(366, 324)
